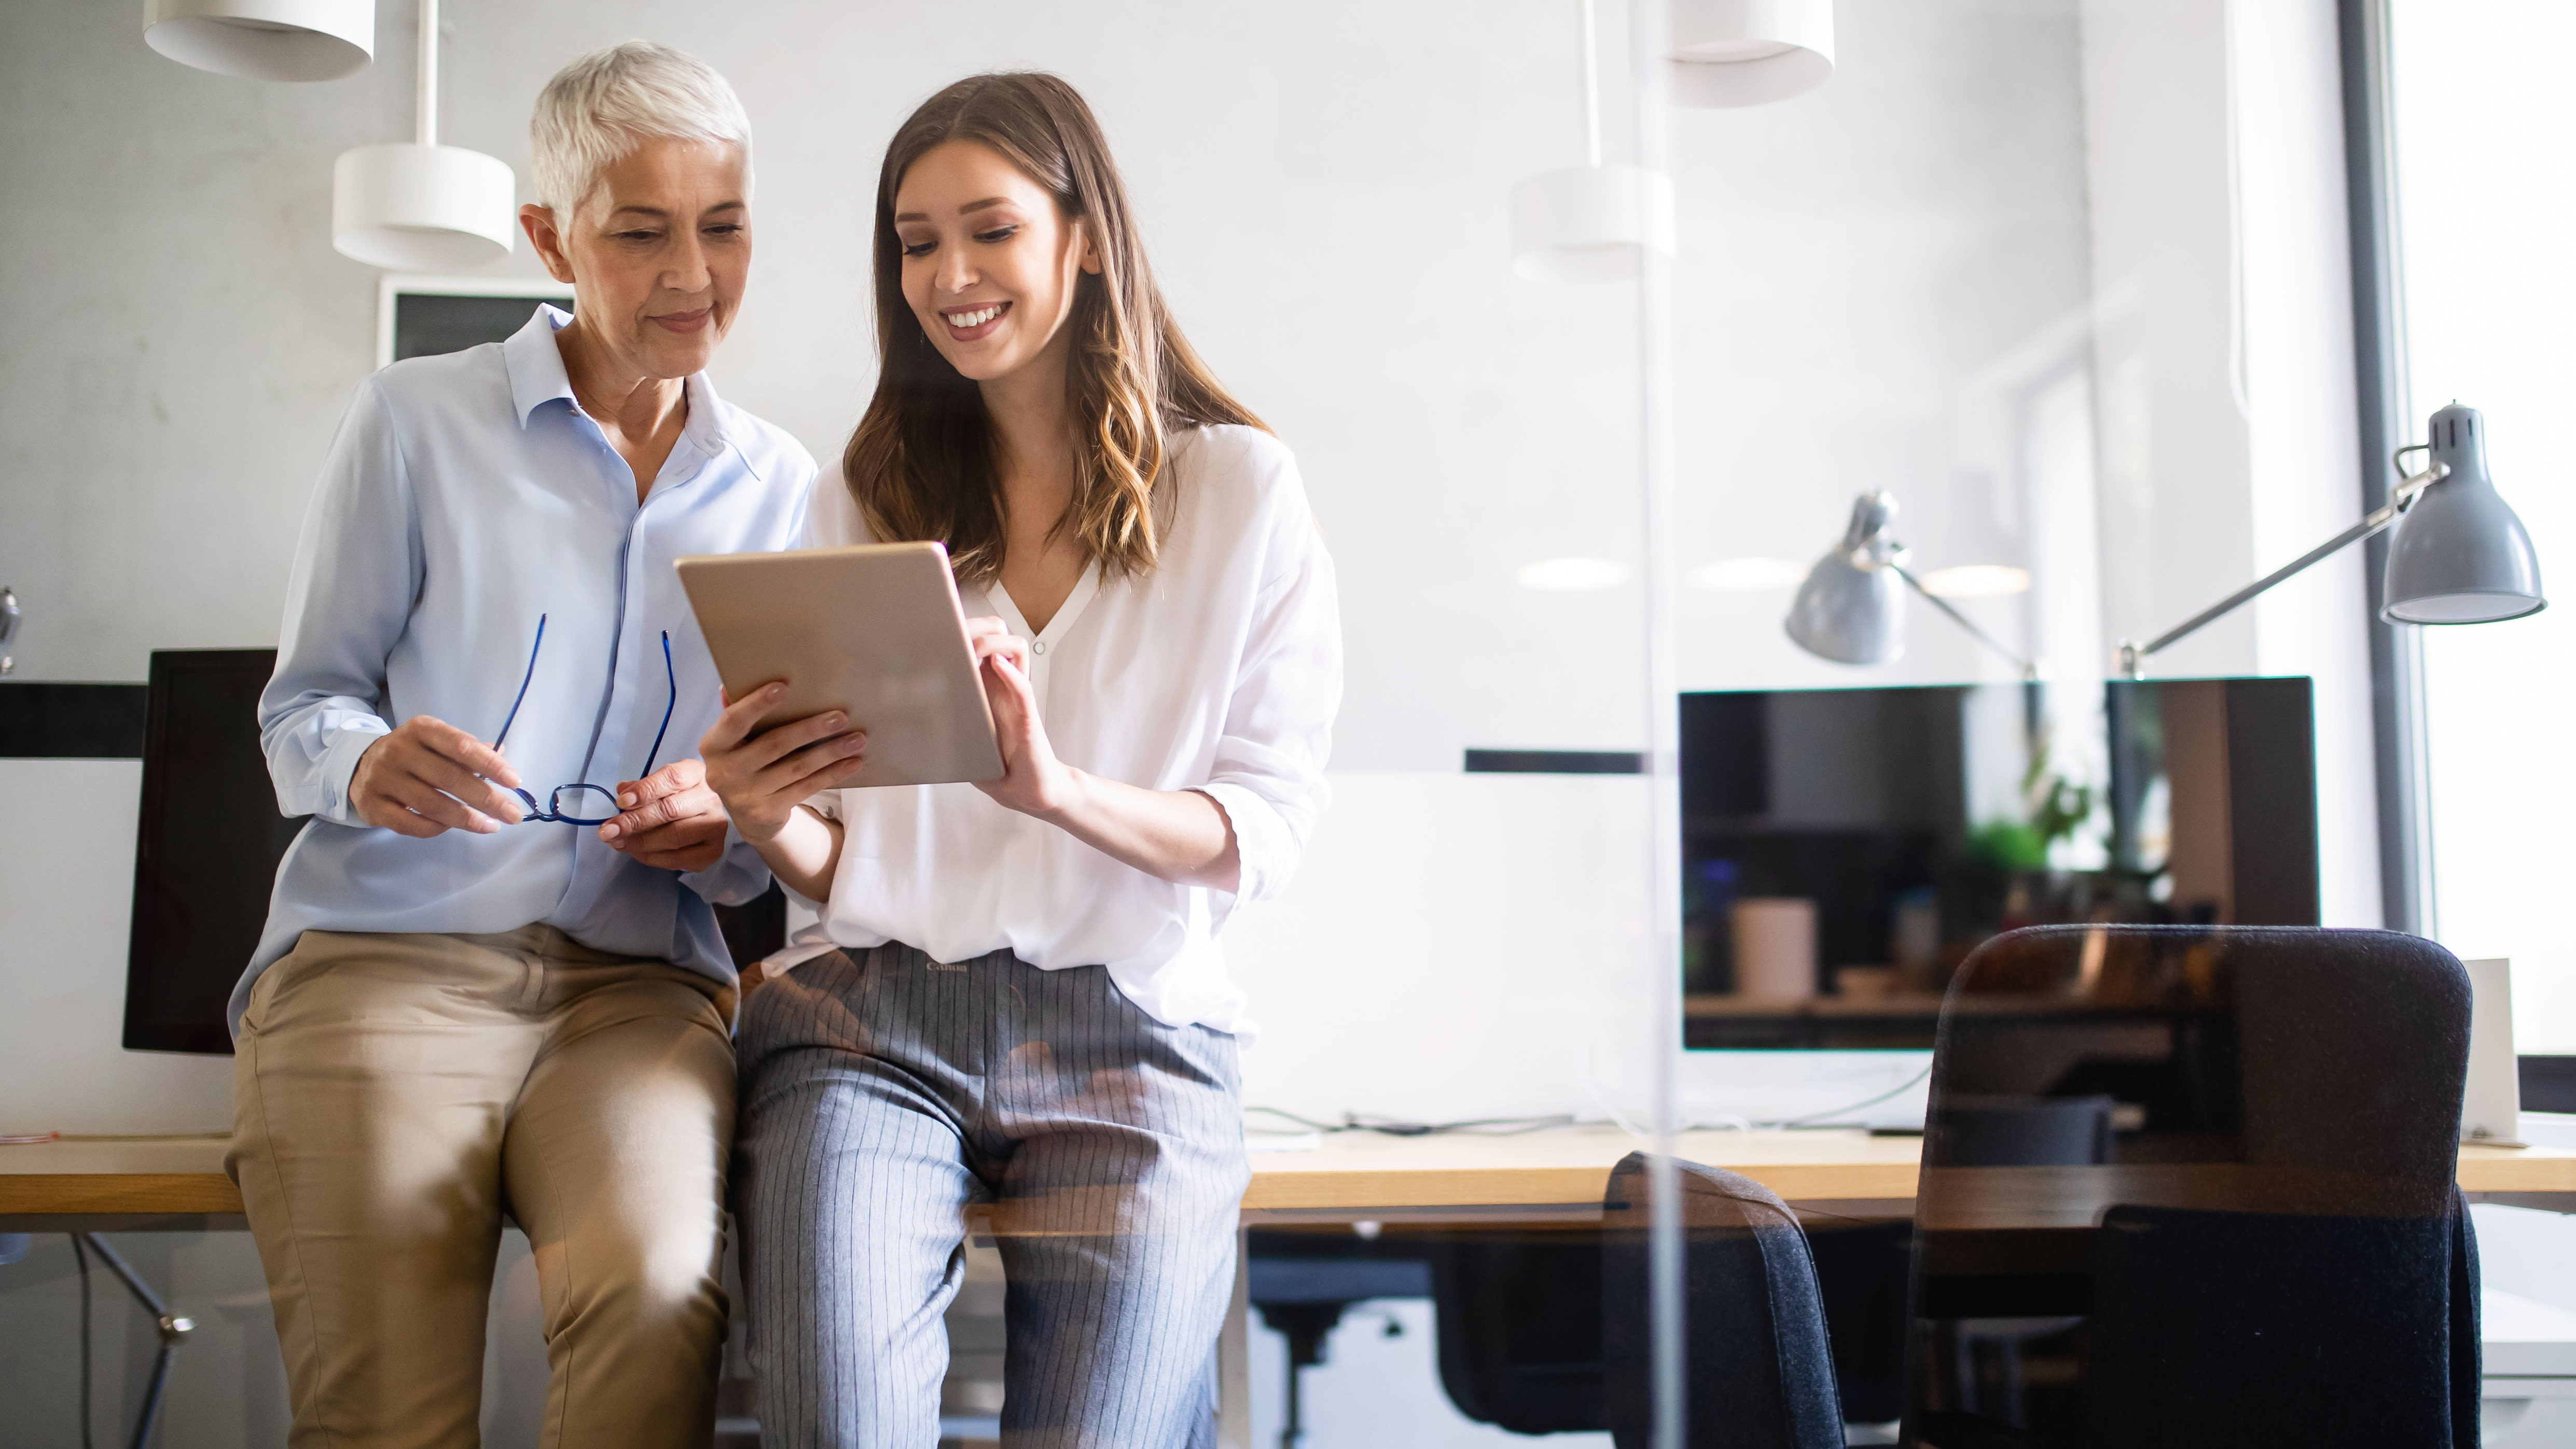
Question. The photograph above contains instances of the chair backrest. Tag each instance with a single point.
(1759, 1364)
(1519, 1315)
(2280, 1183)
(1973, 1131)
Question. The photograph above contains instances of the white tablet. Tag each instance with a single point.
(875, 630)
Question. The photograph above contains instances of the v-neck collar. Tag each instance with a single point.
(1044, 642)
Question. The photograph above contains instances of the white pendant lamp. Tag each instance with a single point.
(1590, 223)
(1750, 52)
(420, 206)
(279, 40)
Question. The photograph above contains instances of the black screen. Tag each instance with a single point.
(206, 848)
(1915, 823)
(429, 323)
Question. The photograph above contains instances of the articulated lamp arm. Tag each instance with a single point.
(2029, 670)
(2133, 657)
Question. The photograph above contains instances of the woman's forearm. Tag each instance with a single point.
(804, 853)
(1175, 835)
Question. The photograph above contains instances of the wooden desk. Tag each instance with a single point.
(1555, 1176)
(179, 1183)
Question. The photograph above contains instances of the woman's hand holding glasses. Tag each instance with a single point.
(669, 819)
(429, 777)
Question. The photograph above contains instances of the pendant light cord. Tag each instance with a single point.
(425, 85)
(1591, 88)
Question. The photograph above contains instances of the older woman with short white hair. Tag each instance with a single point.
(491, 980)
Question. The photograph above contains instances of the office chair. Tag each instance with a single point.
(1303, 1282)
(1519, 1323)
(2275, 1253)
(1545, 1332)
(1759, 1364)
(1970, 1130)
(1974, 1131)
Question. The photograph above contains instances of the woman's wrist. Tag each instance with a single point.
(1062, 801)
(760, 833)
(803, 853)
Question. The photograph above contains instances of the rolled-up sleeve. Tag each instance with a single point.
(357, 570)
(1268, 775)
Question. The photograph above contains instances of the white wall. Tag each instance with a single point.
(66, 896)
(1324, 190)
(2303, 431)
(2224, 366)
(1456, 946)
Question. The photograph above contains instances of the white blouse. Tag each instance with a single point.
(1220, 672)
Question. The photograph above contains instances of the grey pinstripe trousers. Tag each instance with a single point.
(882, 1094)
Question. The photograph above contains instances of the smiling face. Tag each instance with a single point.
(990, 263)
(658, 254)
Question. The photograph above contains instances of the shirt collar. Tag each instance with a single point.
(537, 373)
(537, 377)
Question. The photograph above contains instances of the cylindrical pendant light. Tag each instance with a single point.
(279, 40)
(1750, 52)
(1589, 223)
(423, 207)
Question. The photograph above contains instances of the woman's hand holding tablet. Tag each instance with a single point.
(762, 777)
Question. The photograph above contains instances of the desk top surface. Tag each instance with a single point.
(1348, 1175)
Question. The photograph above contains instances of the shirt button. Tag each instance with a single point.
(1038, 648)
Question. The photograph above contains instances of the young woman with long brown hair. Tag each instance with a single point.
(1014, 995)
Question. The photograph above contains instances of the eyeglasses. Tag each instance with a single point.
(556, 809)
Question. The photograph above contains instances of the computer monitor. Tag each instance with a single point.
(1844, 849)
(206, 847)
(208, 844)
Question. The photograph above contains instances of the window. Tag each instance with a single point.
(2484, 123)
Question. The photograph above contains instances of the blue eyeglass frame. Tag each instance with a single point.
(555, 811)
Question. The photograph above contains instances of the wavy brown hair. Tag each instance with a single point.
(921, 464)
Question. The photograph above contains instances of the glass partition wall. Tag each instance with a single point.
(1982, 271)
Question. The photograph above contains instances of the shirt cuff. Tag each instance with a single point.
(1265, 852)
(340, 766)
(737, 876)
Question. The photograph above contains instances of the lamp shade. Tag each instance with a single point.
(1750, 52)
(1589, 223)
(279, 40)
(2460, 555)
(421, 208)
(1851, 609)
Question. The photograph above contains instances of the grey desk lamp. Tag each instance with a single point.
(1851, 609)
(2460, 556)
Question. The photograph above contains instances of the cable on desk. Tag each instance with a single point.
(1746, 1124)
(1898, 1090)
(1396, 1127)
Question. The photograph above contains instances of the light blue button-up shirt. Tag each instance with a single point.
(465, 496)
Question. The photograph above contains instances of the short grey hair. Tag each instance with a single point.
(607, 103)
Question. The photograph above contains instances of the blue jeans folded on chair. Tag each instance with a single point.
(883, 1094)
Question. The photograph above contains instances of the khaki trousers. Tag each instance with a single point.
(395, 1094)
